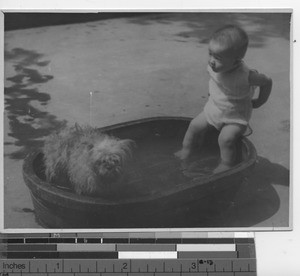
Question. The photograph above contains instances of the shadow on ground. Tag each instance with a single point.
(256, 200)
(23, 102)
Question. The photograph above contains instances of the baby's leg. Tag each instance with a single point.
(227, 143)
(197, 125)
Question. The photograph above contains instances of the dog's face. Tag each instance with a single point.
(108, 166)
(108, 157)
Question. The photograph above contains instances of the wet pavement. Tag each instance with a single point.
(116, 70)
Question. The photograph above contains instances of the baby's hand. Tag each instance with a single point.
(265, 86)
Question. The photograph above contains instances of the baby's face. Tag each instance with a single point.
(221, 59)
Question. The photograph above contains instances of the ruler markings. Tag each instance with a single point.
(168, 268)
(35, 264)
(207, 254)
(238, 259)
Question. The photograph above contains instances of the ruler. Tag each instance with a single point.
(94, 254)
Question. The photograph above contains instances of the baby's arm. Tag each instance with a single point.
(265, 87)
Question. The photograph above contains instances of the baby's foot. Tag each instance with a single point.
(183, 154)
(222, 167)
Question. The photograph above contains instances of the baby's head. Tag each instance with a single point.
(227, 47)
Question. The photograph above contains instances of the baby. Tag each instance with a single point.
(231, 88)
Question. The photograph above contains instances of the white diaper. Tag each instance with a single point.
(218, 118)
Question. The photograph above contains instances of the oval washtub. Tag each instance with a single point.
(160, 192)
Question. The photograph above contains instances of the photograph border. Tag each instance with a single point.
(229, 229)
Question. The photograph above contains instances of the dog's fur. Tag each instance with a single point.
(88, 158)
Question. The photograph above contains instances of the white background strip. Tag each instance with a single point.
(206, 247)
(147, 255)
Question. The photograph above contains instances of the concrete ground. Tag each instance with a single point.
(116, 70)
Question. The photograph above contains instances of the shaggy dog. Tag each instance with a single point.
(87, 159)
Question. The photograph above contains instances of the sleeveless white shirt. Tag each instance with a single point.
(230, 96)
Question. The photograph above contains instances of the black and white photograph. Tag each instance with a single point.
(147, 120)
